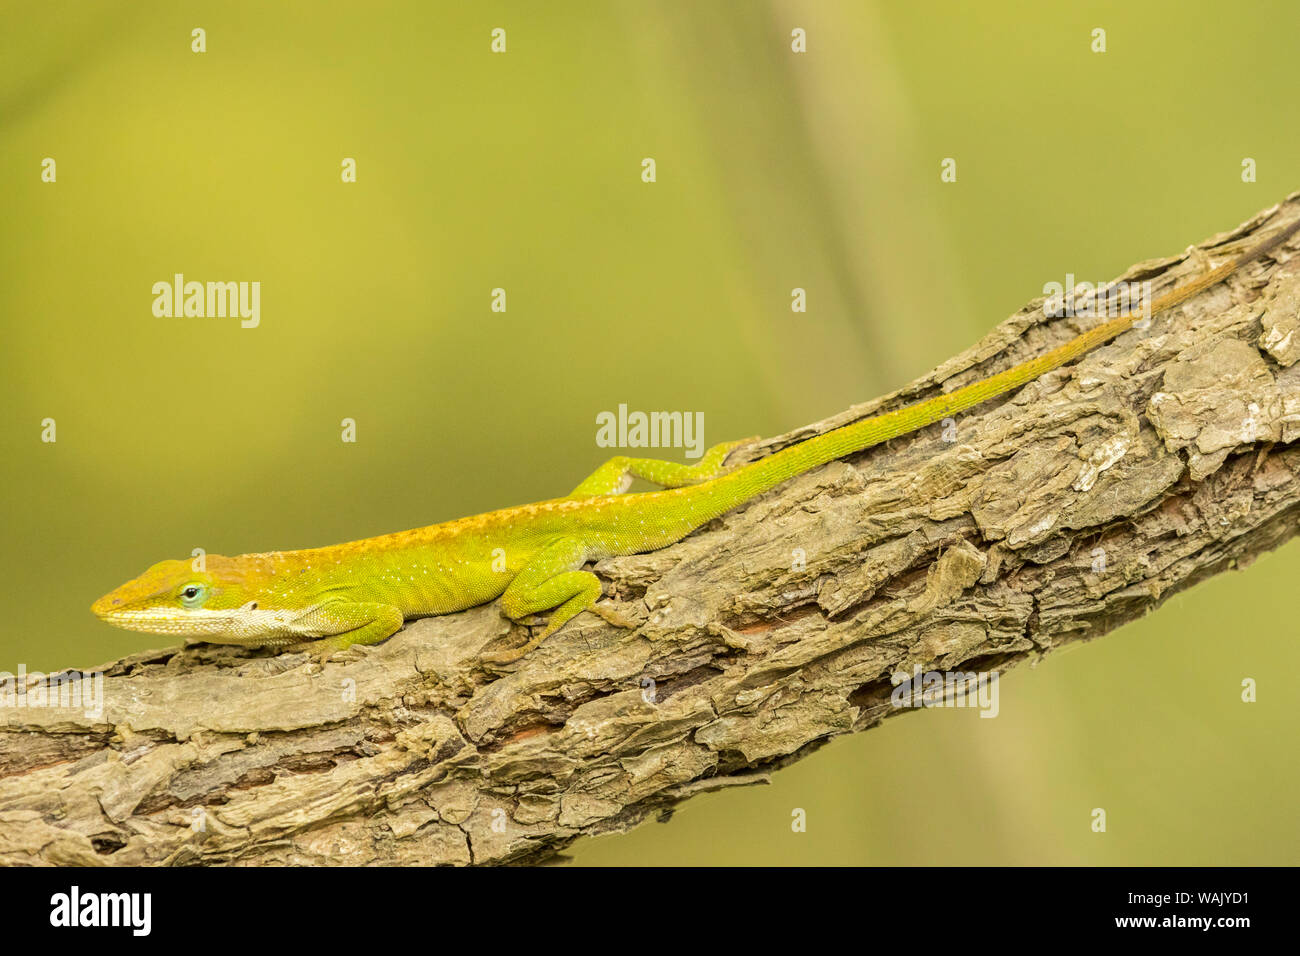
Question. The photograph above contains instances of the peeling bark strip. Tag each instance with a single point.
(1172, 452)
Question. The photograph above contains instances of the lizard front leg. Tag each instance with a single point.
(344, 623)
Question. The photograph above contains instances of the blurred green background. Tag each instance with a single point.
(522, 171)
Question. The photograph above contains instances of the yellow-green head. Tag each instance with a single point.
(223, 602)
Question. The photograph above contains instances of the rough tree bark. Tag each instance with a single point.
(1055, 515)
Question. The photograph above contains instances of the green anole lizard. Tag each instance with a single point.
(532, 556)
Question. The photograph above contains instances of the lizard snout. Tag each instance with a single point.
(106, 605)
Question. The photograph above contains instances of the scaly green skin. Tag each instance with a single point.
(531, 556)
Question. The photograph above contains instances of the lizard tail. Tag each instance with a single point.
(732, 490)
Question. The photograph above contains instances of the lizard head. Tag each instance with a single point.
(173, 598)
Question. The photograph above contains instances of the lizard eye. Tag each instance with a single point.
(193, 595)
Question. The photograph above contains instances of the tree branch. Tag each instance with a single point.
(1079, 503)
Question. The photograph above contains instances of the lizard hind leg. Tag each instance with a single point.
(553, 579)
(615, 476)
